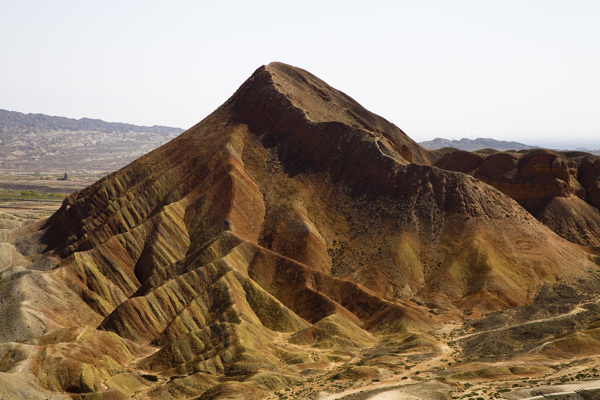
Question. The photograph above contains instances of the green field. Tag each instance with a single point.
(37, 196)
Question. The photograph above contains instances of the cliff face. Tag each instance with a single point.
(291, 219)
(561, 190)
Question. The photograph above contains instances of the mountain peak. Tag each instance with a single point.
(283, 102)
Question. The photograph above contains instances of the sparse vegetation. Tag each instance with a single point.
(37, 196)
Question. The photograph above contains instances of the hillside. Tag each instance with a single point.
(561, 189)
(290, 244)
(42, 143)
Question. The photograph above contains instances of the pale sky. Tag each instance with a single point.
(524, 70)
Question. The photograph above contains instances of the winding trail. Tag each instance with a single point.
(576, 310)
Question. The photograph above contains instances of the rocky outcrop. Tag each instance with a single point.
(561, 190)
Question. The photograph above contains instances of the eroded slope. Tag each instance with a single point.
(560, 190)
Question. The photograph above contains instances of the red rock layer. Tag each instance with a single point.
(561, 190)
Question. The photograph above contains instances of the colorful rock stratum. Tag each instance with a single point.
(295, 245)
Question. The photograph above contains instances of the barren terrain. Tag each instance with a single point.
(38, 143)
(294, 245)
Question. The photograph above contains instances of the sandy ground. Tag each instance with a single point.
(393, 395)
(532, 393)
(428, 390)
(392, 389)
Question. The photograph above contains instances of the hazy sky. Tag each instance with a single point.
(525, 70)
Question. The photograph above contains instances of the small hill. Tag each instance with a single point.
(42, 143)
(475, 144)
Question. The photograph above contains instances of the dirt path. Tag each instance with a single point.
(576, 310)
(396, 384)
(558, 390)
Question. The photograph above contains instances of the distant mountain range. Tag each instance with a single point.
(475, 144)
(487, 143)
(43, 143)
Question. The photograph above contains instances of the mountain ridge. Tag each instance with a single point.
(41, 143)
(18, 122)
(476, 144)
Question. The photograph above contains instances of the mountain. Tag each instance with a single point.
(292, 242)
(42, 143)
(475, 144)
